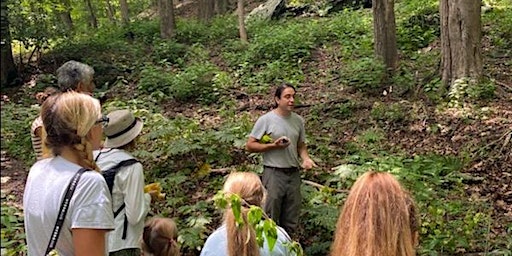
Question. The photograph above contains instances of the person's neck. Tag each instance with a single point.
(282, 112)
(68, 154)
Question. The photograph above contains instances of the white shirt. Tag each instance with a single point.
(47, 182)
(129, 189)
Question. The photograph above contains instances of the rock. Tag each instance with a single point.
(270, 9)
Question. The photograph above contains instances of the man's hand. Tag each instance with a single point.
(308, 163)
(282, 142)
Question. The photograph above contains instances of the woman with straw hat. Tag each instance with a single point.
(125, 178)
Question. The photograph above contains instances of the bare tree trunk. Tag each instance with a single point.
(111, 12)
(460, 40)
(125, 18)
(241, 23)
(167, 23)
(384, 30)
(8, 69)
(65, 16)
(93, 21)
(206, 10)
(221, 6)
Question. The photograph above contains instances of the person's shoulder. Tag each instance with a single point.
(296, 116)
(37, 123)
(114, 154)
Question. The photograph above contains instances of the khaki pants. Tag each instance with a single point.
(283, 197)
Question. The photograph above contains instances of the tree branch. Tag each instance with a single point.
(320, 186)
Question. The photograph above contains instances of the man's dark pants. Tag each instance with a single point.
(283, 196)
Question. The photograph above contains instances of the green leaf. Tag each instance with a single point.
(254, 215)
(236, 206)
(270, 230)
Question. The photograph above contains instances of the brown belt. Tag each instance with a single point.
(289, 169)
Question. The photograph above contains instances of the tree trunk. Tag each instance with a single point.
(460, 40)
(93, 21)
(206, 10)
(8, 69)
(241, 23)
(221, 6)
(384, 31)
(65, 16)
(125, 18)
(111, 12)
(167, 23)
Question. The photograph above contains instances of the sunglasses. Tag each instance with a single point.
(103, 120)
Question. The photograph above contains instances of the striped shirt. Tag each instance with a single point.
(38, 140)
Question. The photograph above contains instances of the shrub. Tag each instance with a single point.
(365, 74)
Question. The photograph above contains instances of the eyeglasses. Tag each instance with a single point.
(103, 120)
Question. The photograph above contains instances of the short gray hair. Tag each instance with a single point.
(71, 73)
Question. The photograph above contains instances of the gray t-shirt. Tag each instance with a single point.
(291, 126)
(89, 208)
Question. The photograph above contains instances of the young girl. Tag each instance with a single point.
(378, 218)
(231, 240)
(73, 123)
(159, 238)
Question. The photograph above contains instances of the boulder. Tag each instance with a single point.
(268, 10)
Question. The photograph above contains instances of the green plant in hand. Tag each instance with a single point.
(266, 139)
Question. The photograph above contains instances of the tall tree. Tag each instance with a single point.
(221, 6)
(125, 18)
(241, 23)
(206, 10)
(384, 30)
(460, 39)
(111, 12)
(8, 68)
(167, 23)
(93, 21)
(65, 14)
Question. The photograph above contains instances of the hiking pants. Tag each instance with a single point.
(283, 196)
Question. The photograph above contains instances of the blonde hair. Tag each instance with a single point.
(67, 120)
(48, 91)
(378, 218)
(242, 239)
(159, 237)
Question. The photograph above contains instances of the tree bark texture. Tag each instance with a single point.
(206, 10)
(221, 6)
(93, 21)
(167, 23)
(460, 40)
(111, 12)
(384, 31)
(125, 16)
(65, 16)
(241, 23)
(8, 69)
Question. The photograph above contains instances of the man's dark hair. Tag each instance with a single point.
(279, 92)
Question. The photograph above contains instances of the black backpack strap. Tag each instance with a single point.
(110, 174)
(64, 206)
(125, 224)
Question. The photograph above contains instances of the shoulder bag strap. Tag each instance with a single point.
(63, 210)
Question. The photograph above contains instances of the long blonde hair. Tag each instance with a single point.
(378, 218)
(67, 118)
(159, 237)
(242, 239)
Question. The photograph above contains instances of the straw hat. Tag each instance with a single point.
(122, 128)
